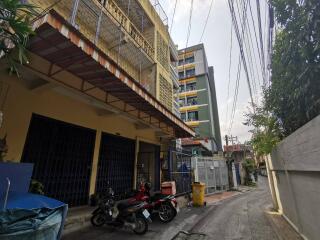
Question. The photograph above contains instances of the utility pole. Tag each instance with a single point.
(227, 140)
(232, 139)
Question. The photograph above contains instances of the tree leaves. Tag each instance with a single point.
(293, 98)
(295, 90)
(15, 29)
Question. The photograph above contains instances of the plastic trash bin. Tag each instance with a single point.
(198, 193)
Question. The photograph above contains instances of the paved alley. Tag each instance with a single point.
(239, 217)
(242, 217)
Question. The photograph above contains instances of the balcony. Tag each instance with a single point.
(173, 51)
(110, 29)
(188, 104)
(187, 88)
(174, 76)
(77, 58)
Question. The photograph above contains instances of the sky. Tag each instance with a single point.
(217, 45)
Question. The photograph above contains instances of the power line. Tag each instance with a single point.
(260, 35)
(251, 46)
(206, 22)
(247, 48)
(235, 24)
(240, 40)
(230, 61)
(235, 98)
(174, 12)
(190, 23)
(256, 40)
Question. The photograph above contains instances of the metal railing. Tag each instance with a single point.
(174, 75)
(179, 170)
(111, 10)
(192, 103)
(214, 173)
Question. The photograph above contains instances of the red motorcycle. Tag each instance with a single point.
(165, 206)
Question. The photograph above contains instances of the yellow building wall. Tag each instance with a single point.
(65, 7)
(161, 29)
(21, 102)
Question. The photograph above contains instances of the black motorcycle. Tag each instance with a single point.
(122, 214)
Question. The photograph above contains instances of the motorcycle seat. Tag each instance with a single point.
(126, 204)
(158, 196)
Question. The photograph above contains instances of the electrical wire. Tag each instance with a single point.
(257, 44)
(260, 36)
(206, 22)
(247, 49)
(242, 57)
(174, 12)
(252, 50)
(235, 24)
(235, 98)
(190, 23)
(229, 76)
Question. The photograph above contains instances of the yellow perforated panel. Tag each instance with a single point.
(165, 92)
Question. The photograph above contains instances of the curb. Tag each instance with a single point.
(273, 226)
(280, 234)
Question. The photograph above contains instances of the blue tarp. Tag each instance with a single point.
(31, 216)
(19, 175)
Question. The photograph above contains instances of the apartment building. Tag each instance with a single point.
(95, 103)
(197, 99)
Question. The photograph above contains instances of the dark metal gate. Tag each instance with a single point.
(179, 167)
(148, 165)
(116, 164)
(62, 155)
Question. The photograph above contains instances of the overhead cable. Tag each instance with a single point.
(229, 76)
(206, 22)
(174, 13)
(257, 44)
(260, 36)
(235, 24)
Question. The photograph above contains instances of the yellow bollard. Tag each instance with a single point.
(198, 193)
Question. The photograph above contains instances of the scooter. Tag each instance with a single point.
(132, 215)
(165, 206)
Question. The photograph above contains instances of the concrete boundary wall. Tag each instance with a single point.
(294, 176)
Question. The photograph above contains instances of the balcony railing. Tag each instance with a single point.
(111, 9)
(188, 89)
(192, 103)
(174, 76)
(173, 50)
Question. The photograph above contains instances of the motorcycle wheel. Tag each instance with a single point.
(141, 225)
(167, 212)
(98, 220)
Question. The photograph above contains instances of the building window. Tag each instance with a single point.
(189, 60)
(193, 116)
(190, 72)
(182, 102)
(191, 86)
(181, 87)
(192, 101)
(183, 117)
(180, 62)
(181, 75)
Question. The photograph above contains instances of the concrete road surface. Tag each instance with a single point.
(240, 217)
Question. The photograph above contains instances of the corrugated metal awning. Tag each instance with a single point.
(61, 44)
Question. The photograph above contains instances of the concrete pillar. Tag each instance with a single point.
(272, 183)
(95, 161)
(135, 170)
(234, 176)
